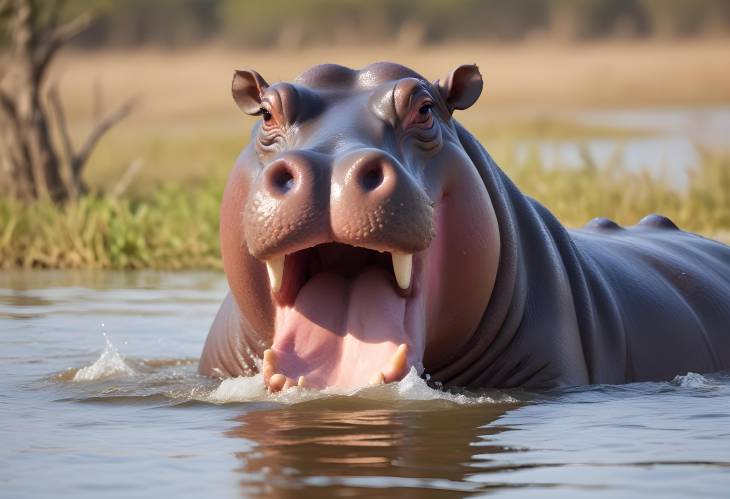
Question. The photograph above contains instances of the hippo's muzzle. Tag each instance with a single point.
(358, 238)
(338, 239)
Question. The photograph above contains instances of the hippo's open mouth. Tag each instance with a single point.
(345, 317)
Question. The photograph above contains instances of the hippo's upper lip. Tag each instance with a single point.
(288, 273)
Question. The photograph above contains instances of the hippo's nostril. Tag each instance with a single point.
(283, 180)
(372, 177)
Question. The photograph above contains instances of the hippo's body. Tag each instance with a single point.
(487, 289)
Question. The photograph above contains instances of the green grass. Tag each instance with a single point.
(175, 228)
(168, 224)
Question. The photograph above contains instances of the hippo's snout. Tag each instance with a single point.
(376, 203)
(364, 198)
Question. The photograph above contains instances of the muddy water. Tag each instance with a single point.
(99, 398)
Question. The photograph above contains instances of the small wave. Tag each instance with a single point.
(414, 387)
(411, 388)
(692, 380)
(110, 364)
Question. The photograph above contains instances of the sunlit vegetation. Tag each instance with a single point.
(575, 195)
(175, 226)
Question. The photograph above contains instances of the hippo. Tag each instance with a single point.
(366, 233)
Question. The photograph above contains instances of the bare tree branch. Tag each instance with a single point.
(5, 8)
(64, 33)
(126, 179)
(8, 105)
(98, 132)
(54, 12)
(55, 100)
(23, 28)
(56, 39)
(73, 185)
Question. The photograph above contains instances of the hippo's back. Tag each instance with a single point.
(657, 300)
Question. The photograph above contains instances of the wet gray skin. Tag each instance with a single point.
(364, 231)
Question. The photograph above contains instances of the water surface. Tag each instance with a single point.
(99, 397)
(668, 142)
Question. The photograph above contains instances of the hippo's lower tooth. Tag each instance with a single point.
(276, 382)
(268, 366)
(398, 362)
(402, 268)
(275, 268)
(378, 379)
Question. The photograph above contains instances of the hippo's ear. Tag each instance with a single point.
(462, 87)
(248, 88)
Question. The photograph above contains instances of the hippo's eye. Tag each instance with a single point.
(422, 116)
(266, 115)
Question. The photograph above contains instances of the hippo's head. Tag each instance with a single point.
(355, 223)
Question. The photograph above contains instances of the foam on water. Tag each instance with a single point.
(110, 364)
(692, 380)
(411, 388)
(162, 376)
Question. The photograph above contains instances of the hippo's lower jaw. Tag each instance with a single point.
(346, 317)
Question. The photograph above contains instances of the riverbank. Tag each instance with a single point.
(176, 227)
(186, 133)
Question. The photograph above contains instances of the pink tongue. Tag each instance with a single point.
(340, 332)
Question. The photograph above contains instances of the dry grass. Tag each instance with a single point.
(188, 133)
(187, 126)
(195, 84)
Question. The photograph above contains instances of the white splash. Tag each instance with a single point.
(411, 388)
(414, 388)
(109, 364)
(692, 380)
(240, 389)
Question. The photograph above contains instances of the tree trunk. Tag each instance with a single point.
(31, 163)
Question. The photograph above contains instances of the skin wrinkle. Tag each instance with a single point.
(572, 268)
(460, 368)
(660, 268)
(599, 290)
(665, 271)
(543, 253)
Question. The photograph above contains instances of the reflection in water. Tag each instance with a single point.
(393, 450)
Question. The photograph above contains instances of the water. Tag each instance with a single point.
(668, 143)
(99, 398)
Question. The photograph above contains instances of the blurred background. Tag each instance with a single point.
(613, 108)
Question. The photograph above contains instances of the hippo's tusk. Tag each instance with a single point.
(275, 268)
(398, 362)
(378, 379)
(269, 364)
(402, 268)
